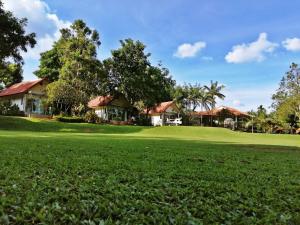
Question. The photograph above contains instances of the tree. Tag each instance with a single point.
(72, 62)
(50, 65)
(129, 71)
(11, 74)
(63, 96)
(13, 39)
(289, 86)
(191, 96)
(286, 100)
(214, 91)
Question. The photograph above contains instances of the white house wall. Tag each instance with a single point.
(101, 113)
(19, 102)
(155, 120)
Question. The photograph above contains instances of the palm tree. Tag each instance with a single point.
(214, 91)
(205, 100)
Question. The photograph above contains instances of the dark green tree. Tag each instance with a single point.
(73, 61)
(50, 65)
(130, 72)
(14, 40)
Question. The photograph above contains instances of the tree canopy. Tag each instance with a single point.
(130, 72)
(14, 40)
(72, 62)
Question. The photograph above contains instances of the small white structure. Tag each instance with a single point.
(26, 95)
(165, 113)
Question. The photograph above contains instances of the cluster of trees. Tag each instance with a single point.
(191, 97)
(76, 74)
(285, 112)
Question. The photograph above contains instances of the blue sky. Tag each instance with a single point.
(245, 45)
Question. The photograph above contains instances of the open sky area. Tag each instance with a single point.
(245, 45)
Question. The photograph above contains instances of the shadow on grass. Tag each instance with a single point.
(37, 125)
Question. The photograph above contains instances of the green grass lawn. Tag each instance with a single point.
(59, 173)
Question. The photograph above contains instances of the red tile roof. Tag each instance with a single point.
(19, 88)
(162, 107)
(100, 101)
(215, 111)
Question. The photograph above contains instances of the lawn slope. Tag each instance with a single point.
(57, 173)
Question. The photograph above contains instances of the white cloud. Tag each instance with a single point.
(251, 52)
(40, 20)
(187, 50)
(292, 44)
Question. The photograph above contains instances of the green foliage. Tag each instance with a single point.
(11, 74)
(214, 91)
(7, 109)
(64, 96)
(92, 117)
(262, 121)
(102, 174)
(189, 97)
(130, 72)
(13, 39)
(69, 119)
(50, 65)
(74, 69)
(286, 100)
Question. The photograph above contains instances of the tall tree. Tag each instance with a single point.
(289, 86)
(14, 40)
(73, 61)
(286, 100)
(130, 72)
(215, 91)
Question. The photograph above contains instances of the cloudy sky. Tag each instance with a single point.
(245, 45)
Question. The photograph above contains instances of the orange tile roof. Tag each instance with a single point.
(19, 88)
(100, 101)
(162, 107)
(215, 111)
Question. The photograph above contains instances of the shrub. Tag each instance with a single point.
(69, 119)
(92, 117)
(143, 120)
(6, 109)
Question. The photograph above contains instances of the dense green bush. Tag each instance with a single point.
(92, 117)
(143, 120)
(6, 109)
(69, 119)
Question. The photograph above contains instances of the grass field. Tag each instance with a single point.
(58, 173)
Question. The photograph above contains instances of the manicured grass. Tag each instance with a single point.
(57, 173)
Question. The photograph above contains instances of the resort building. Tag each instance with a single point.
(27, 95)
(111, 108)
(221, 116)
(165, 113)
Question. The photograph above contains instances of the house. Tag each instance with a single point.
(111, 108)
(165, 113)
(27, 95)
(221, 116)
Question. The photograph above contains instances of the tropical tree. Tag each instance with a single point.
(215, 91)
(14, 40)
(286, 100)
(129, 71)
(72, 62)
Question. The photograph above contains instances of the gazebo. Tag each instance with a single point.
(221, 116)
